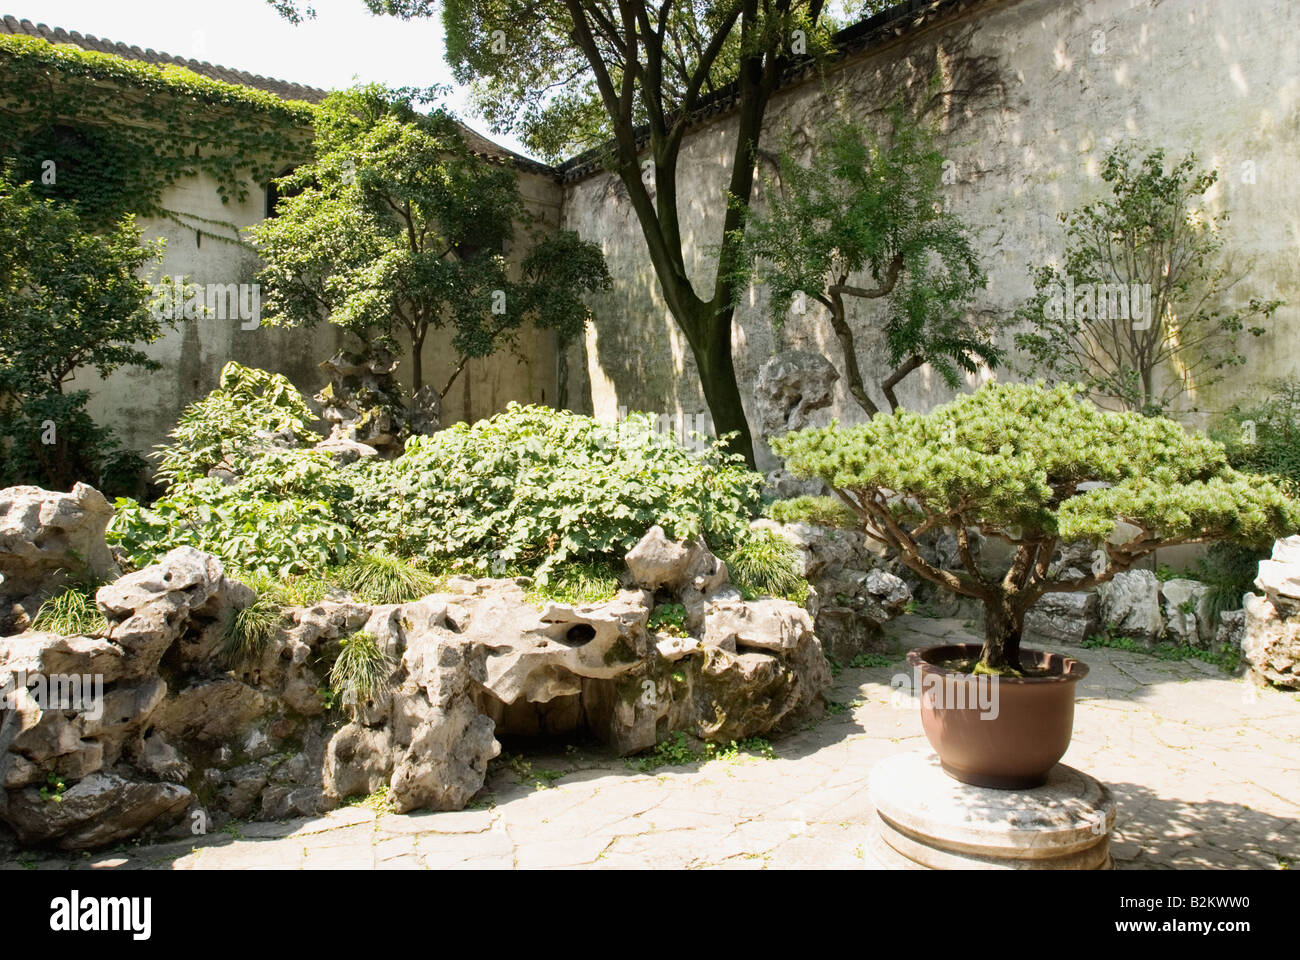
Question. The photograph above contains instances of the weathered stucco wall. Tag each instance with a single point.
(142, 406)
(1039, 100)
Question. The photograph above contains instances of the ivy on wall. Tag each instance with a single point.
(120, 132)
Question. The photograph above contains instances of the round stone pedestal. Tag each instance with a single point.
(926, 820)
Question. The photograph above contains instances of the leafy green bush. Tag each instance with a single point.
(379, 578)
(766, 564)
(1264, 437)
(234, 424)
(1009, 460)
(822, 511)
(538, 487)
(80, 449)
(256, 534)
(283, 513)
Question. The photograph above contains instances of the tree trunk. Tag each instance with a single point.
(718, 380)
(417, 360)
(1002, 627)
(848, 347)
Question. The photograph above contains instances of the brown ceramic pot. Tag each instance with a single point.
(1002, 732)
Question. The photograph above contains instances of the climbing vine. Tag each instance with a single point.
(114, 134)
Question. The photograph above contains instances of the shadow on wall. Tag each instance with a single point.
(1032, 95)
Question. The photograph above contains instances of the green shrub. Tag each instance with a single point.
(283, 514)
(766, 564)
(71, 612)
(821, 511)
(80, 449)
(1264, 437)
(380, 578)
(279, 537)
(234, 424)
(1229, 569)
(537, 487)
(360, 671)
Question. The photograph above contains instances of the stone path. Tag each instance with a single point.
(1205, 767)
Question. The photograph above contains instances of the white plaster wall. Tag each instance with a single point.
(142, 406)
(1212, 76)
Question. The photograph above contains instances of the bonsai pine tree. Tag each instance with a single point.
(1034, 467)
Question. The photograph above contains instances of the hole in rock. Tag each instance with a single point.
(579, 634)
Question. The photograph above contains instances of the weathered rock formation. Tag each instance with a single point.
(853, 594)
(45, 539)
(1271, 638)
(790, 387)
(152, 726)
(365, 406)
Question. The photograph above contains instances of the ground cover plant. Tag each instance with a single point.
(535, 487)
(532, 492)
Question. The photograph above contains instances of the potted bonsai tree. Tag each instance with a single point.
(1033, 467)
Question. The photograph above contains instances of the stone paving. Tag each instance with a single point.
(1206, 769)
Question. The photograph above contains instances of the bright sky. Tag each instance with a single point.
(344, 44)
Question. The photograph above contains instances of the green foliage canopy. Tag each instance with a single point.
(1154, 231)
(397, 226)
(538, 487)
(70, 298)
(1035, 467)
(863, 206)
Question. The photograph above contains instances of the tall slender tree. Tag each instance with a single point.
(626, 80)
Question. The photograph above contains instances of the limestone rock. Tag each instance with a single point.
(1130, 605)
(1271, 644)
(539, 656)
(1230, 631)
(364, 404)
(97, 810)
(790, 386)
(47, 536)
(1186, 605)
(1279, 577)
(358, 761)
(659, 563)
(145, 609)
(445, 742)
(343, 450)
(1068, 617)
(852, 595)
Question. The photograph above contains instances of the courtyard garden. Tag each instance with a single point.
(328, 549)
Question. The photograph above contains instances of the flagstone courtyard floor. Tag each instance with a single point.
(1205, 767)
